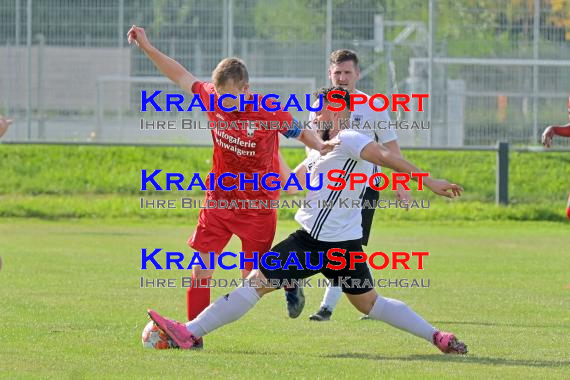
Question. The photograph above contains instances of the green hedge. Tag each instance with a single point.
(96, 181)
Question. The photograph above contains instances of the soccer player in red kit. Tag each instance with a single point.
(559, 130)
(4, 124)
(244, 150)
(340, 229)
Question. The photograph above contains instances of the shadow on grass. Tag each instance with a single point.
(495, 324)
(457, 359)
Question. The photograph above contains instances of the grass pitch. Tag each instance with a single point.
(71, 306)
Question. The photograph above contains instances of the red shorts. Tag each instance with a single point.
(216, 227)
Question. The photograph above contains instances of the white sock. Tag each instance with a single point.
(331, 297)
(398, 314)
(224, 310)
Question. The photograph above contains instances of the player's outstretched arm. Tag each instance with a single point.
(550, 131)
(401, 193)
(168, 66)
(4, 124)
(379, 155)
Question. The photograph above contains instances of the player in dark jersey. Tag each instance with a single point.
(320, 233)
(245, 150)
(558, 130)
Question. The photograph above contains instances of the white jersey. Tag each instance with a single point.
(363, 114)
(342, 221)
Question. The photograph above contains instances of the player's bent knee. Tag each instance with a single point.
(264, 290)
(258, 279)
(363, 302)
(198, 272)
(245, 273)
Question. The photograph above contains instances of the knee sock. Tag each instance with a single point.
(398, 314)
(331, 297)
(197, 298)
(224, 310)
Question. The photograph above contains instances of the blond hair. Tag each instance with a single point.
(230, 69)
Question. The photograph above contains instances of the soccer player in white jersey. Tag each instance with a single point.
(4, 124)
(321, 230)
(344, 71)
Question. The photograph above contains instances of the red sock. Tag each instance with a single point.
(568, 212)
(197, 298)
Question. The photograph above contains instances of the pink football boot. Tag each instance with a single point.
(448, 343)
(176, 331)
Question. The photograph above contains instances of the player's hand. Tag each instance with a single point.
(404, 195)
(443, 187)
(137, 35)
(328, 146)
(547, 136)
(4, 124)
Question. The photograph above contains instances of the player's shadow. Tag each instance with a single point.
(456, 359)
(495, 324)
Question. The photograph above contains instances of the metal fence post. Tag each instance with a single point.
(230, 28)
(121, 32)
(40, 90)
(17, 23)
(29, 52)
(431, 99)
(99, 111)
(535, 41)
(328, 40)
(225, 42)
(502, 192)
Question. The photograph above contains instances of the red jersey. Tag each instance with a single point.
(564, 130)
(243, 150)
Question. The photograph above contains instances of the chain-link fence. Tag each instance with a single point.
(495, 70)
